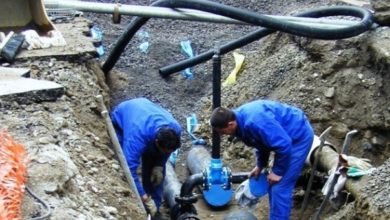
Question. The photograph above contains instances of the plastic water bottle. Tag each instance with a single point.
(187, 50)
(97, 35)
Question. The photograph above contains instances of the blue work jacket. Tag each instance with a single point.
(139, 120)
(271, 126)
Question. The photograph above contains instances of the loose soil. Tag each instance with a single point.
(340, 83)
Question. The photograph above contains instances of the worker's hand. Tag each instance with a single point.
(273, 178)
(255, 172)
(150, 206)
(157, 175)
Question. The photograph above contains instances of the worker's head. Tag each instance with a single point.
(223, 121)
(167, 140)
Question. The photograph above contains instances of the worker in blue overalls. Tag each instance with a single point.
(147, 133)
(271, 126)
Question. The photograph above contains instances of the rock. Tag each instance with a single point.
(47, 140)
(366, 145)
(111, 210)
(101, 159)
(115, 166)
(382, 11)
(377, 120)
(44, 176)
(329, 93)
(339, 130)
(378, 141)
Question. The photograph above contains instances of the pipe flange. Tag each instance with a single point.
(188, 216)
(186, 199)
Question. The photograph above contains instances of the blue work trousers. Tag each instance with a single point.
(280, 194)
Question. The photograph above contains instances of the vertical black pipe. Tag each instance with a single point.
(215, 152)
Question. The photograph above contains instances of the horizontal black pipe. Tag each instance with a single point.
(239, 177)
(203, 57)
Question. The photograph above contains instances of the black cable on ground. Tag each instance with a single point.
(48, 213)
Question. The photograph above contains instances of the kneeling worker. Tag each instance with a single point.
(147, 133)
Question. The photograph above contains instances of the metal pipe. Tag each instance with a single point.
(239, 177)
(171, 185)
(181, 14)
(344, 150)
(322, 138)
(181, 207)
(198, 159)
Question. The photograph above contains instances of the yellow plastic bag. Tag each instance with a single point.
(239, 60)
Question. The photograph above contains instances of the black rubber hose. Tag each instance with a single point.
(125, 38)
(288, 26)
(364, 25)
(190, 183)
(250, 17)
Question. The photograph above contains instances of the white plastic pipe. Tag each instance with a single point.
(182, 14)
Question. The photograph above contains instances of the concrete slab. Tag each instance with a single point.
(7, 73)
(15, 87)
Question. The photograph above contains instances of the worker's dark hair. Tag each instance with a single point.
(221, 117)
(167, 138)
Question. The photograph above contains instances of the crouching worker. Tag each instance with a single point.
(147, 133)
(271, 126)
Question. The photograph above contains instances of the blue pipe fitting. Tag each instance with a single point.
(217, 187)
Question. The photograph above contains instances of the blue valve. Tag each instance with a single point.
(217, 189)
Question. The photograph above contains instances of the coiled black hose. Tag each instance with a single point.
(288, 26)
(266, 21)
(250, 17)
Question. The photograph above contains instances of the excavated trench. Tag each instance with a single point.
(330, 80)
(158, 51)
(207, 212)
